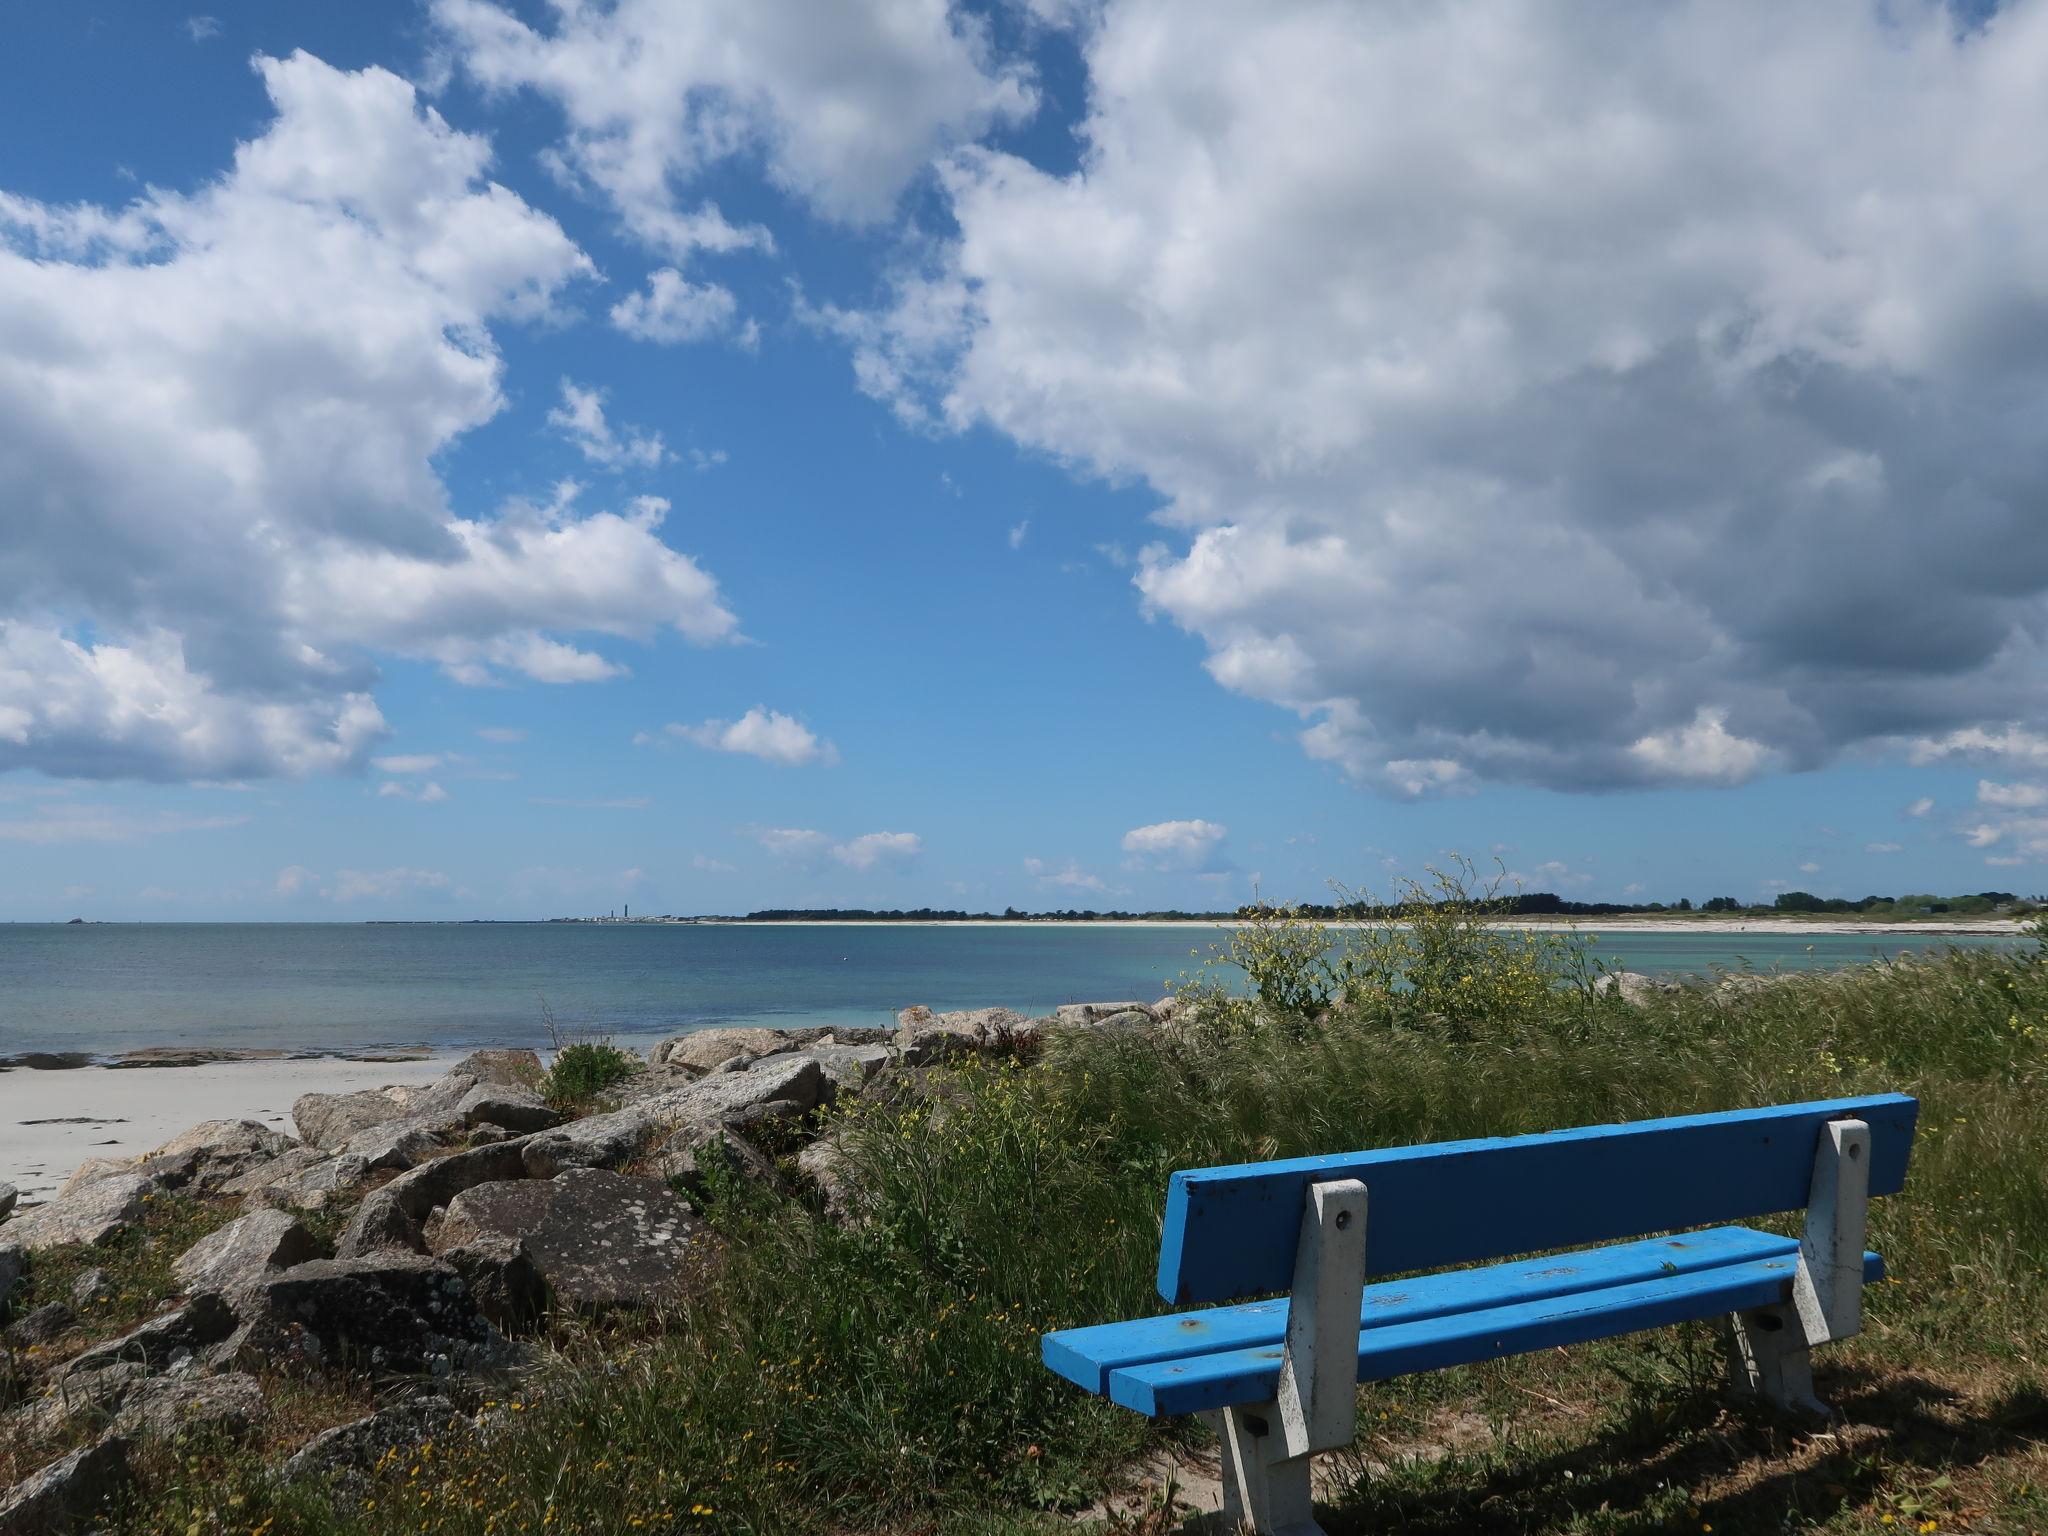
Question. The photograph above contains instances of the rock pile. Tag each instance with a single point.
(474, 1208)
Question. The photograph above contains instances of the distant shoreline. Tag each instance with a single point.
(1634, 922)
(1986, 928)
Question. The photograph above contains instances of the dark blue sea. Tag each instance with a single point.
(331, 986)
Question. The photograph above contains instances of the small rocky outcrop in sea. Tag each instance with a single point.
(474, 1208)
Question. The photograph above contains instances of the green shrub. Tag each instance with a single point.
(583, 1070)
(1446, 962)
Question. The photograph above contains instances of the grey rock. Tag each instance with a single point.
(165, 1407)
(327, 1120)
(764, 1120)
(509, 1068)
(440, 1102)
(824, 1164)
(228, 1139)
(392, 1217)
(93, 1169)
(600, 1239)
(1632, 987)
(68, 1492)
(339, 1461)
(487, 1135)
(168, 1337)
(390, 1312)
(49, 1061)
(91, 1286)
(1083, 1014)
(8, 1196)
(608, 1141)
(704, 1049)
(925, 1037)
(314, 1187)
(848, 1066)
(49, 1322)
(218, 1150)
(502, 1207)
(13, 1265)
(503, 1278)
(89, 1214)
(1135, 1018)
(697, 1154)
(71, 1398)
(188, 1056)
(288, 1164)
(401, 1144)
(243, 1250)
(508, 1106)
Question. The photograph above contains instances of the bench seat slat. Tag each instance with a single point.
(1194, 1384)
(1086, 1356)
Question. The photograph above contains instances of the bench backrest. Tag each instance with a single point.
(1231, 1232)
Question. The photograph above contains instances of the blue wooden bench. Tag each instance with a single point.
(1278, 1379)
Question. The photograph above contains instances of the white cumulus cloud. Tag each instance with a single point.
(1465, 341)
(219, 414)
(846, 103)
(672, 310)
(1176, 845)
(581, 419)
(2011, 797)
(761, 732)
(1069, 876)
(879, 850)
(812, 849)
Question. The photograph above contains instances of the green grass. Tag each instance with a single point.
(886, 1378)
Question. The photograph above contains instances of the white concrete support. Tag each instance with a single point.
(1270, 1497)
(1267, 1446)
(1769, 1349)
(1829, 1289)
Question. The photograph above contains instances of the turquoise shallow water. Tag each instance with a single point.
(332, 986)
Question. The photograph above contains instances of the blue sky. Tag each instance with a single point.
(1092, 455)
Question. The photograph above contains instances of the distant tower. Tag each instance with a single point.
(629, 912)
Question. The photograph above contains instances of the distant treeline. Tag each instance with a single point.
(1549, 904)
(1525, 904)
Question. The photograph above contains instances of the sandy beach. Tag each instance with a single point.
(50, 1122)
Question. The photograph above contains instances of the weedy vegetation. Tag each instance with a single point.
(883, 1375)
(581, 1066)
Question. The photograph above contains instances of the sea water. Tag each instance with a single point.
(105, 988)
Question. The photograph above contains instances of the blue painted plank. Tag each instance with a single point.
(1231, 1232)
(1197, 1383)
(1086, 1356)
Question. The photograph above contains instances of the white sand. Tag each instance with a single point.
(134, 1110)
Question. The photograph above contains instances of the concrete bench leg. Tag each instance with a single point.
(1267, 1446)
(1770, 1350)
(1270, 1497)
(1768, 1357)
